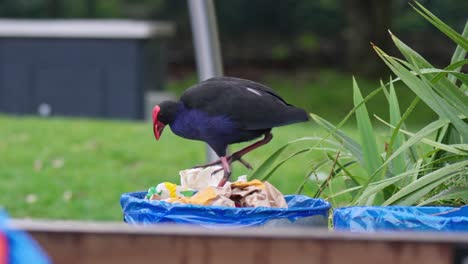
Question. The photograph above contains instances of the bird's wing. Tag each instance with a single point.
(249, 104)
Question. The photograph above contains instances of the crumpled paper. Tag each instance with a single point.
(200, 178)
(241, 193)
(257, 194)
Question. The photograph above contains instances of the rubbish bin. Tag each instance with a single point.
(302, 211)
(89, 68)
(401, 218)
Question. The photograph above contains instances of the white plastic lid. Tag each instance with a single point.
(84, 28)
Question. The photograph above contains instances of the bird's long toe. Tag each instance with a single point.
(245, 163)
(216, 171)
(217, 162)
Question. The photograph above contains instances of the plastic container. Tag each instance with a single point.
(401, 218)
(302, 211)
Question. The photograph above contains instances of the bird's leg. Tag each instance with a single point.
(226, 161)
(227, 171)
(237, 156)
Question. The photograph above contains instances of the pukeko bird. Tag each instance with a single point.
(225, 110)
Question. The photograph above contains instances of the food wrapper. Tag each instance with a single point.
(207, 196)
(199, 187)
(166, 190)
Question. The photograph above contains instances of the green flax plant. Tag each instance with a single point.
(428, 166)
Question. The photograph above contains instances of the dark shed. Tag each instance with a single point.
(90, 68)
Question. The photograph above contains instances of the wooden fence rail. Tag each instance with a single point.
(98, 242)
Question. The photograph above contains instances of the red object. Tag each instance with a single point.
(158, 126)
(3, 249)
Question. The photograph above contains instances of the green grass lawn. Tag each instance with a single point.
(77, 169)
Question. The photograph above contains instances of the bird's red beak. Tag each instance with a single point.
(158, 126)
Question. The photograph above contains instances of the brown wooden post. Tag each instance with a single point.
(81, 242)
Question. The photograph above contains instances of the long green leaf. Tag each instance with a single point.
(459, 149)
(417, 169)
(381, 185)
(444, 173)
(452, 94)
(444, 28)
(409, 143)
(386, 180)
(307, 177)
(268, 175)
(422, 133)
(350, 144)
(455, 66)
(265, 166)
(412, 153)
(439, 73)
(371, 160)
(409, 53)
(398, 164)
(416, 196)
(350, 113)
(451, 193)
(424, 91)
(462, 76)
(464, 89)
(459, 53)
(444, 88)
(342, 167)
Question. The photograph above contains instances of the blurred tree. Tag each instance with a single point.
(55, 8)
(288, 34)
(367, 21)
(91, 8)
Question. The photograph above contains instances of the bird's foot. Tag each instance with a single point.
(227, 171)
(226, 176)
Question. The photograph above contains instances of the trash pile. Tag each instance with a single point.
(199, 186)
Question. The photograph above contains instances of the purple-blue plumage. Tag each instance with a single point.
(216, 131)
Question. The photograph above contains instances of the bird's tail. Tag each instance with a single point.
(300, 114)
(296, 115)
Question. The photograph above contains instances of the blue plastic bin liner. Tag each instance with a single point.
(302, 211)
(22, 249)
(401, 218)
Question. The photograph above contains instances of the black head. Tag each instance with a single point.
(163, 114)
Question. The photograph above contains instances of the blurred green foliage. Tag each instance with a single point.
(290, 17)
(293, 32)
